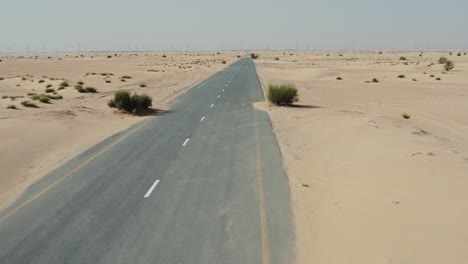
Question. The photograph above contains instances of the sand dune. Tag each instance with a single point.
(37, 140)
(367, 185)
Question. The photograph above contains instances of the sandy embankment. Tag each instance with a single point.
(35, 141)
(367, 185)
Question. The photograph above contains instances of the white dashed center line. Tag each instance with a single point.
(223, 90)
(148, 193)
(212, 105)
(185, 142)
(203, 118)
(219, 96)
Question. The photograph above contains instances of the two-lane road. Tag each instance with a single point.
(201, 184)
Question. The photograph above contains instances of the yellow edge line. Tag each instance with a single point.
(69, 173)
(261, 200)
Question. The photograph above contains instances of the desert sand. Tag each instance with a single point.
(367, 185)
(37, 140)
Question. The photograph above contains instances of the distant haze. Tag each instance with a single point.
(99, 25)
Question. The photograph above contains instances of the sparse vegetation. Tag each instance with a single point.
(12, 106)
(126, 77)
(64, 84)
(29, 104)
(49, 85)
(109, 56)
(406, 116)
(254, 56)
(401, 76)
(130, 103)
(339, 78)
(49, 90)
(402, 58)
(142, 85)
(375, 80)
(223, 62)
(108, 81)
(449, 65)
(44, 99)
(438, 79)
(432, 75)
(41, 81)
(442, 60)
(282, 94)
(80, 82)
(55, 97)
(90, 89)
(276, 59)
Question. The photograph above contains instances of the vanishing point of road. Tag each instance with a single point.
(202, 183)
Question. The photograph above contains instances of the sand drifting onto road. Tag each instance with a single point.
(369, 186)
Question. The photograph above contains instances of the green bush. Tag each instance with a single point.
(282, 94)
(64, 84)
(80, 82)
(49, 85)
(254, 56)
(11, 107)
(443, 60)
(41, 81)
(44, 99)
(402, 58)
(130, 103)
(49, 90)
(29, 104)
(55, 97)
(449, 65)
(91, 89)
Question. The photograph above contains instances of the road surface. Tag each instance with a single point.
(201, 184)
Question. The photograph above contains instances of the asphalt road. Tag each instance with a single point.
(201, 184)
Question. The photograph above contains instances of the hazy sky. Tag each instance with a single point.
(64, 25)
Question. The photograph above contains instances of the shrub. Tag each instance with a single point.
(11, 107)
(223, 62)
(91, 89)
(406, 116)
(449, 65)
(64, 84)
(49, 90)
(80, 89)
(41, 81)
(108, 81)
(29, 104)
(254, 56)
(375, 80)
(401, 76)
(126, 77)
(402, 58)
(432, 75)
(339, 78)
(415, 80)
(49, 85)
(282, 94)
(1, 78)
(55, 97)
(142, 85)
(109, 56)
(44, 99)
(276, 59)
(80, 82)
(443, 60)
(238, 56)
(131, 104)
(459, 54)
(438, 79)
